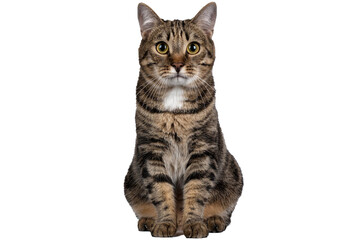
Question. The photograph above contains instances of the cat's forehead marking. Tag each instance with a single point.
(178, 31)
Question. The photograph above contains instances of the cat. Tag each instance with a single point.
(182, 179)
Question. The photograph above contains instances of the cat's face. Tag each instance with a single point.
(177, 53)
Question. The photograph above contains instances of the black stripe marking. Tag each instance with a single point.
(151, 156)
(144, 55)
(144, 125)
(143, 157)
(195, 175)
(150, 64)
(209, 54)
(205, 64)
(156, 203)
(212, 176)
(212, 165)
(193, 158)
(156, 163)
(221, 186)
(200, 202)
(187, 36)
(149, 187)
(145, 173)
(192, 213)
(162, 178)
(147, 140)
(148, 108)
(177, 138)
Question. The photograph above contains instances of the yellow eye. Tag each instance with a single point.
(162, 48)
(193, 48)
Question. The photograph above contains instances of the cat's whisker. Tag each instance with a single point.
(205, 85)
(143, 86)
(151, 89)
(154, 90)
(199, 92)
(153, 85)
(156, 87)
(204, 82)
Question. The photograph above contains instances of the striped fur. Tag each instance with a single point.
(182, 177)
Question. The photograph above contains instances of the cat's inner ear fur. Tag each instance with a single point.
(148, 19)
(205, 19)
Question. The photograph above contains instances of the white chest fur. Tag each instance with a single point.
(174, 99)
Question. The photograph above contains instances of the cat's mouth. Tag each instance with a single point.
(177, 80)
(178, 76)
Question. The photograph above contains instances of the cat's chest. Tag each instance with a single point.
(175, 161)
(176, 131)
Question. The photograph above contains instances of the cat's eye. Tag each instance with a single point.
(193, 48)
(162, 47)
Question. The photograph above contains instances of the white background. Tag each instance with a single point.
(68, 71)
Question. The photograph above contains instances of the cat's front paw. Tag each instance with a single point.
(216, 224)
(197, 229)
(145, 224)
(164, 229)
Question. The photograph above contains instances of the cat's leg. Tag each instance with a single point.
(137, 196)
(224, 197)
(160, 193)
(199, 175)
(152, 196)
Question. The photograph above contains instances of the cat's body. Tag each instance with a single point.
(182, 176)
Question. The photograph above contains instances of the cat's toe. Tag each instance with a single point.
(216, 224)
(145, 224)
(196, 229)
(164, 229)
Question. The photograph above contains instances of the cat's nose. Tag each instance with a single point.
(178, 66)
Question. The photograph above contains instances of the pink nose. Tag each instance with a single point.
(178, 66)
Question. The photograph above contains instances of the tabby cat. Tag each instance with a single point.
(182, 179)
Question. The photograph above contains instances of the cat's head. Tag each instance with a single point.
(177, 53)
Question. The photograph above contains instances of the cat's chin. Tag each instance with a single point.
(178, 80)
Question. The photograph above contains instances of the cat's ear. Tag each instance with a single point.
(147, 18)
(205, 19)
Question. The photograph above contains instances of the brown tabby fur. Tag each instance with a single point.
(182, 177)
